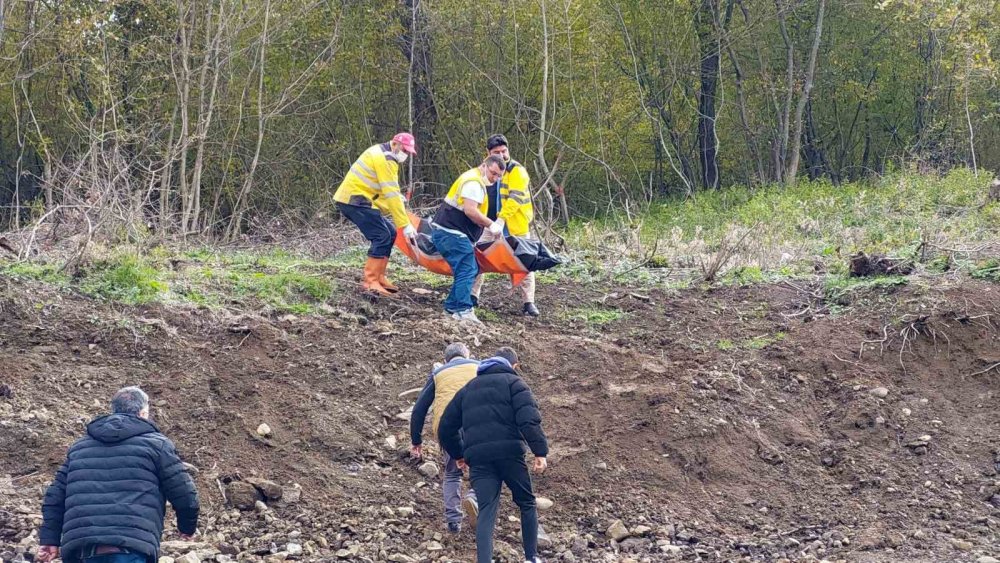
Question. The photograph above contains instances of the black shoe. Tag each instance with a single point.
(475, 300)
(454, 527)
(530, 310)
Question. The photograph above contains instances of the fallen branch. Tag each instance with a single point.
(991, 368)
(881, 343)
(26, 251)
(846, 361)
(8, 246)
(726, 251)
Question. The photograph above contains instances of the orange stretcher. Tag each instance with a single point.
(424, 253)
(498, 257)
(495, 257)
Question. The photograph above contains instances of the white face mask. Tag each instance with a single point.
(400, 156)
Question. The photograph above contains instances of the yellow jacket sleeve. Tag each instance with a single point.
(390, 201)
(518, 201)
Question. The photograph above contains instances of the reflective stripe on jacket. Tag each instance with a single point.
(515, 199)
(373, 181)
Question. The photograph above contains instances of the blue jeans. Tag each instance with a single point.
(117, 558)
(379, 230)
(458, 252)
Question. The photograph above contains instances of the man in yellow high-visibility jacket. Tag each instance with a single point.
(510, 203)
(368, 194)
(458, 225)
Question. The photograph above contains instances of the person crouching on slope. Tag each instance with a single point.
(368, 193)
(458, 225)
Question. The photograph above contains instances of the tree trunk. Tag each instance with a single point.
(816, 160)
(793, 165)
(184, 97)
(165, 178)
(781, 146)
(242, 201)
(424, 116)
(968, 114)
(752, 147)
(707, 23)
(206, 108)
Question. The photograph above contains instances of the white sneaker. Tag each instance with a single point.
(537, 560)
(471, 508)
(466, 315)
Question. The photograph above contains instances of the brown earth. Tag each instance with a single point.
(726, 424)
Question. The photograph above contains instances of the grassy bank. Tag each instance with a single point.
(753, 235)
(747, 236)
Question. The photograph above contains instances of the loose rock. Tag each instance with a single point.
(270, 489)
(242, 495)
(428, 469)
(880, 392)
(263, 430)
(543, 503)
(961, 545)
(617, 531)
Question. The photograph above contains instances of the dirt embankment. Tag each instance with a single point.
(732, 424)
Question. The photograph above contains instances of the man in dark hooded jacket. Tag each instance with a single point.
(108, 499)
(485, 427)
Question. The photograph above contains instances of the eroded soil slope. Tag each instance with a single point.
(731, 424)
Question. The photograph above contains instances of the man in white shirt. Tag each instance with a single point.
(458, 224)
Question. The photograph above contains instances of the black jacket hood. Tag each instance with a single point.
(114, 428)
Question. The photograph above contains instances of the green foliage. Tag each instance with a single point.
(126, 279)
(744, 275)
(762, 342)
(593, 316)
(988, 270)
(839, 289)
(940, 264)
(35, 271)
(487, 315)
(280, 289)
(624, 114)
(796, 229)
(757, 343)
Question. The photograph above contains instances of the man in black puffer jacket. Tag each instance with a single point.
(485, 427)
(108, 499)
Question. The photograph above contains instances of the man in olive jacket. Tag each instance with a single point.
(485, 427)
(108, 499)
(445, 381)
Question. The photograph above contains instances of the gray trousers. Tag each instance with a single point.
(452, 489)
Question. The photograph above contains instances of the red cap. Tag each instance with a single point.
(407, 141)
